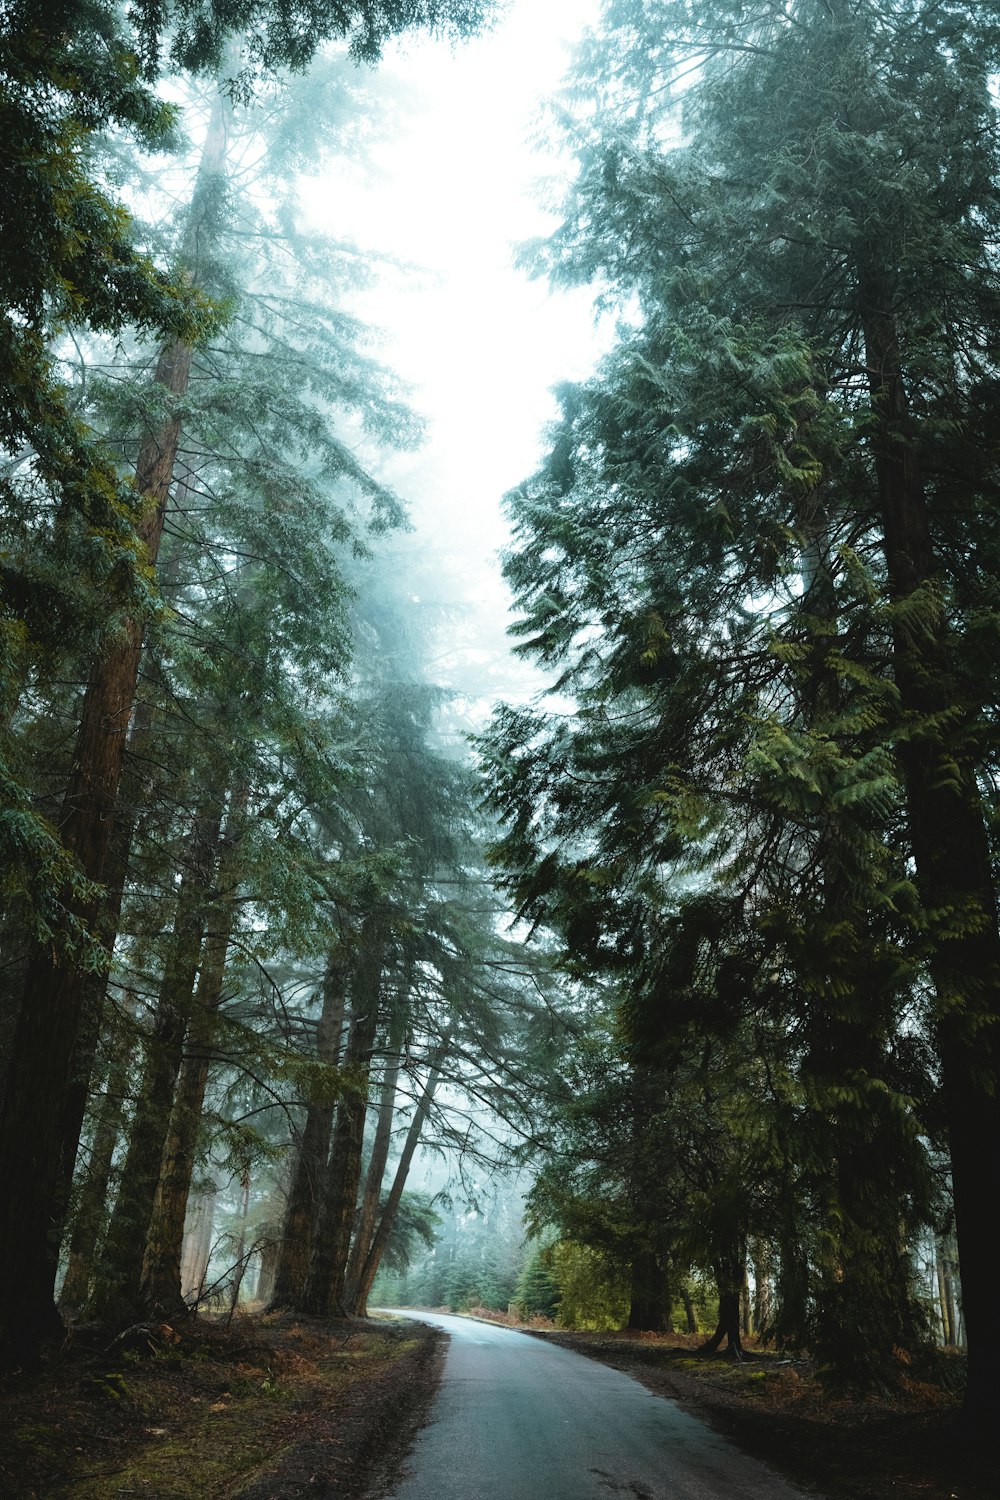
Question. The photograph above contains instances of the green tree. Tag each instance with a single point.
(46, 1056)
(537, 1288)
(747, 556)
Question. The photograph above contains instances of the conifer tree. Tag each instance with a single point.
(41, 1070)
(747, 555)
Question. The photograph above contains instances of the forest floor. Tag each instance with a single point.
(908, 1447)
(281, 1408)
(265, 1409)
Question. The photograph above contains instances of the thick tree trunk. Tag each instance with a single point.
(198, 1247)
(651, 1300)
(360, 1292)
(729, 1278)
(323, 1294)
(295, 1250)
(364, 1229)
(47, 1059)
(270, 1246)
(950, 848)
(160, 1291)
(728, 1326)
(50, 1046)
(116, 1296)
(90, 1213)
(94, 990)
(160, 1282)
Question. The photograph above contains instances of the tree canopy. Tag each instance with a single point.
(749, 562)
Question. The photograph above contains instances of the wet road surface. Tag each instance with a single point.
(518, 1418)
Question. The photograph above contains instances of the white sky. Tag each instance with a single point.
(480, 343)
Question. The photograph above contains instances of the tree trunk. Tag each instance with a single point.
(360, 1293)
(944, 1301)
(944, 1260)
(762, 1271)
(295, 1250)
(89, 1218)
(47, 1058)
(323, 1294)
(950, 847)
(116, 1296)
(746, 1311)
(240, 1267)
(268, 1265)
(729, 1278)
(690, 1316)
(134, 791)
(160, 1282)
(651, 1301)
(364, 1229)
(198, 1247)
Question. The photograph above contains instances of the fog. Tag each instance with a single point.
(498, 687)
(464, 180)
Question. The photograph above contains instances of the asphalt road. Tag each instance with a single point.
(521, 1419)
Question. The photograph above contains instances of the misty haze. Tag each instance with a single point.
(499, 756)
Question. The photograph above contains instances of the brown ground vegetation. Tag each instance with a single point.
(265, 1409)
(908, 1446)
(282, 1408)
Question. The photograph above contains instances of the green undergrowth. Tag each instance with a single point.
(194, 1420)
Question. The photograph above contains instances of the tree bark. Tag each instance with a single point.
(690, 1316)
(651, 1300)
(729, 1278)
(950, 846)
(268, 1265)
(762, 1270)
(364, 1229)
(240, 1266)
(359, 1294)
(295, 1251)
(198, 1247)
(944, 1300)
(323, 1294)
(90, 1214)
(94, 990)
(47, 1057)
(116, 1296)
(160, 1281)
(746, 1309)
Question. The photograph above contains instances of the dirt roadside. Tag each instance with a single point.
(281, 1409)
(267, 1409)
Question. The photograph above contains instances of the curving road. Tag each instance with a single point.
(518, 1418)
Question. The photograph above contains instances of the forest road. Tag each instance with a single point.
(517, 1418)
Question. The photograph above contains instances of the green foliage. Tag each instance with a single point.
(592, 1293)
(196, 32)
(537, 1287)
(415, 1225)
(71, 266)
(725, 830)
